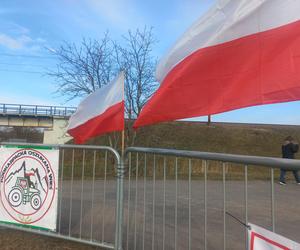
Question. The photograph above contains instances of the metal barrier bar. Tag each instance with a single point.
(240, 159)
(59, 236)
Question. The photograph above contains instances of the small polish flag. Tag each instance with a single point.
(101, 112)
(262, 239)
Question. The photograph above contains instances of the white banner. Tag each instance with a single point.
(262, 239)
(28, 186)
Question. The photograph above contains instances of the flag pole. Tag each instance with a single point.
(123, 131)
(123, 142)
(120, 186)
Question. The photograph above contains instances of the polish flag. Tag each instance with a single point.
(241, 53)
(101, 112)
(262, 239)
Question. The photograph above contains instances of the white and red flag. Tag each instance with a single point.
(241, 53)
(262, 239)
(101, 112)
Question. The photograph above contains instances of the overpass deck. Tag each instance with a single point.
(35, 110)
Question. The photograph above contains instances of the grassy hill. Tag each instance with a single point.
(249, 139)
(246, 139)
(234, 138)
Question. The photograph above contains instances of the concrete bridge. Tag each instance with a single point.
(52, 118)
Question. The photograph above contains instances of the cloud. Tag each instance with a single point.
(10, 42)
(122, 14)
(18, 29)
(21, 42)
(18, 37)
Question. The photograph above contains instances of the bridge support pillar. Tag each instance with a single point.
(57, 134)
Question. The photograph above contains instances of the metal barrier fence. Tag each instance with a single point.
(88, 196)
(173, 199)
(179, 199)
(36, 110)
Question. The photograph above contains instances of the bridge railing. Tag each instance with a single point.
(36, 110)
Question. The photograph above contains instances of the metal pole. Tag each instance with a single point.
(272, 200)
(144, 214)
(246, 203)
(81, 196)
(224, 205)
(61, 187)
(190, 199)
(153, 202)
(93, 194)
(120, 204)
(205, 204)
(176, 200)
(128, 200)
(104, 196)
(71, 192)
(136, 194)
(164, 205)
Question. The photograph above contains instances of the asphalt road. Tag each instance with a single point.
(97, 222)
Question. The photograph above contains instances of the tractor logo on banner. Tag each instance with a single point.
(28, 188)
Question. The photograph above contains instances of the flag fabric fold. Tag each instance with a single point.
(262, 239)
(239, 54)
(101, 112)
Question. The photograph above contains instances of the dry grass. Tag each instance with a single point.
(10, 240)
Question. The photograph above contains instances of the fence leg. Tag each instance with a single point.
(120, 205)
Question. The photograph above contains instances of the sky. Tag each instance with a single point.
(29, 29)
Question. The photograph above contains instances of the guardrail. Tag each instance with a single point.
(36, 110)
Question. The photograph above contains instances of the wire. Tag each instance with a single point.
(22, 71)
(238, 220)
(23, 64)
(28, 56)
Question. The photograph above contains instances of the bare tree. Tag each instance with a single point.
(136, 59)
(83, 69)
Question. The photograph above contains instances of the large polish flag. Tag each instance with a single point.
(241, 53)
(101, 112)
